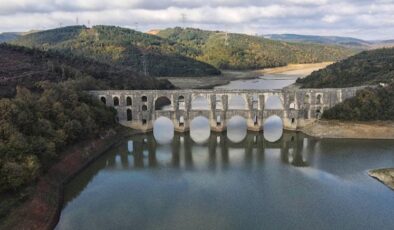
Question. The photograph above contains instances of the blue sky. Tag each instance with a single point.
(372, 19)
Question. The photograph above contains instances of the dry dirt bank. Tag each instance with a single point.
(209, 82)
(354, 130)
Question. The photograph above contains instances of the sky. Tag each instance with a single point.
(366, 19)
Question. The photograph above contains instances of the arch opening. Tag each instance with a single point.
(273, 128)
(318, 99)
(129, 115)
(318, 113)
(306, 99)
(218, 120)
(163, 103)
(181, 121)
(200, 103)
(200, 129)
(273, 103)
(163, 130)
(129, 102)
(181, 103)
(144, 107)
(237, 102)
(292, 105)
(103, 100)
(237, 129)
(144, 98)
(116, 101)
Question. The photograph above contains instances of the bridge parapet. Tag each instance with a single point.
(139, 109)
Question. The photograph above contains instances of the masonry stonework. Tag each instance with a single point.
(299, 107)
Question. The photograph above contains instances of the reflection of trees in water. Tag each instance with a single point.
(144, 154)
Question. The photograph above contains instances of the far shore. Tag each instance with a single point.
(209, 82)
(383, 130)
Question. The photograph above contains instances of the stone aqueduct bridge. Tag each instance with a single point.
(139, 109)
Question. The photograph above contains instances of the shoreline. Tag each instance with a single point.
(209, 82)
(385, 176)
(42, 208)
(334, 129)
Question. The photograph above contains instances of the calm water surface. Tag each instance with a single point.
(233, 180)
(295, 183)
(268, 81)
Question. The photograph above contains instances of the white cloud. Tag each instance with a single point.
(355, 17)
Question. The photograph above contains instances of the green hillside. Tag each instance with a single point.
(329, 40)
(239, 51)
(26, 67)
(143, 53)
(370, 104)
(368, 67)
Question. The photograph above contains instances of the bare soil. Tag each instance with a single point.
(209, 82)
(353, 130)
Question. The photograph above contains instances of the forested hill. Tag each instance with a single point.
(26, 67)
(143, 53)
(366, 68)
(240, 51)
(333, 40)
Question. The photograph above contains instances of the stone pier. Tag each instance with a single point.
(138, 109)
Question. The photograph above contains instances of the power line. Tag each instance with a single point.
(184, 20)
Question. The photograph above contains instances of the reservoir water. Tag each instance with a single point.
(233, 180)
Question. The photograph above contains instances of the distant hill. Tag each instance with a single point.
(5, 37)
(366, 68)
(329, 40)
(240, 51)
(143, 53)
(24, 66)
(348, 42)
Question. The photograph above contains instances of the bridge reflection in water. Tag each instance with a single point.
(217, 153)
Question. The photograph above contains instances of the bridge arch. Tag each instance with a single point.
(200, 129)
(319, 99)
(163, 130)
(273, 102)
(237, 102)
(116, 100)
(129, 101)
(273, 128)
(129, 115)
(181, 102)
(103, 99)
(163, 103)
(200, 103)
(237, 128)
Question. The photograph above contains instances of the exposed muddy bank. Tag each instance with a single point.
(227, 76)
(386, 176)
(351, 130)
